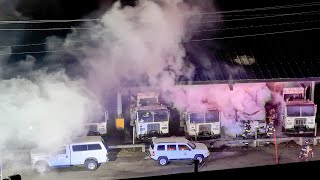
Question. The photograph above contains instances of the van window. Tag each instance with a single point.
(172, 147)
(161, 148)
(79, 148)
(94, 147)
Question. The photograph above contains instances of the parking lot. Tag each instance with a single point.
(128, 164)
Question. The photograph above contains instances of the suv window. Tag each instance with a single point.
(61, 150)
(183, 148)
(161, 147)
(94, 147)
(172, 147)
(79, 148)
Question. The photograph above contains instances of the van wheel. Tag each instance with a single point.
(199, 158)
(163, 161)
(41, 167)
(91, 165)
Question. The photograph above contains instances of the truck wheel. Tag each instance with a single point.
(41, 167)
(199, 158)
(91, 165)
(163, 161)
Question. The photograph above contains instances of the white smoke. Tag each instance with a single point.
(42, 110)
(139, 44)
(246, 100)
(46, 108)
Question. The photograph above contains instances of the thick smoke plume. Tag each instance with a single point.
(140, 45)
(45, 108)
(244, 102)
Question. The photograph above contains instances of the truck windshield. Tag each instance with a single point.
(306, 110)
(212, 116)
(147, 101)
(145, 116)
(161, 115)
(197, 118)
(293, 111)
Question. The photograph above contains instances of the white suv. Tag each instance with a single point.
(168, 149)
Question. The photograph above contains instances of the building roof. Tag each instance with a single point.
(257, 46)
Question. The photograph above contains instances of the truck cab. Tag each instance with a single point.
(89, 151)
(299, 117)
(148, 116)
(197, 123)
(299, 113)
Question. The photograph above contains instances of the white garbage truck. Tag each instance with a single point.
(299, 114)
(148, 117)
(97, 127)
(201, 123)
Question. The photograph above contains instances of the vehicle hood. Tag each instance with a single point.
(201, 146)
(39, 153)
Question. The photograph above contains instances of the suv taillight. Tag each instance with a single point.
(107, 155)
(153, 154)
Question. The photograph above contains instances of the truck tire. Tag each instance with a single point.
(163, 161)
(91, 164)
(199, 158)
(41, 167)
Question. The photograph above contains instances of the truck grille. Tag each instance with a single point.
(205, 128)
(300, 121)
(153, 127)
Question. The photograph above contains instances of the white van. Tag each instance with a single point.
(168, 149)
(90, 151)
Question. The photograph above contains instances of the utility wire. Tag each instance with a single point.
(251, 18)
(192, 40)
(252, 35)
(208, 13)
(265, 8)
(256, 26)
(79, 28)
(215, 29)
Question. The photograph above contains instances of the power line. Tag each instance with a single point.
(264, 8)
(43, 29)
(47, 21)
(208, 13)
(192, 40)
(78, 28)
(242, 19)
(39, 44)
(222, 29)
(39, 52)
(252, 35)
(256, 26)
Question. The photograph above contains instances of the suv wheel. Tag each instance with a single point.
(199, 158)
(41, 167)
(163, 161)
(91, 165)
